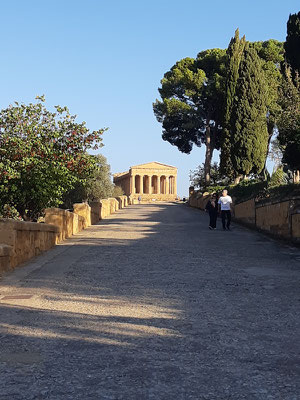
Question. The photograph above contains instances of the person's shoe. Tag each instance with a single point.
(214, 229)
(224, 229)
(210, 227)
(228, 228)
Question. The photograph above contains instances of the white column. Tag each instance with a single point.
(132, 184)
(167, 185)
(171, 184)
(175, 185)
(158, 184)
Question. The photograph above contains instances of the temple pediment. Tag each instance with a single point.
(153, 165)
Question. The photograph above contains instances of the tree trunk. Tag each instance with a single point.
(296, 176)
(264, 173)
(210, 145)
(238, 179)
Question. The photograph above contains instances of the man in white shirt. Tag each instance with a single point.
(224, 203)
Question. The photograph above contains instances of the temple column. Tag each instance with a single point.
(132, 184)
(167, 185)
(158, 184)
(141, 184)
(171, 184)
(149, 184)
(175, 185)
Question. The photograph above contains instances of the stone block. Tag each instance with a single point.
(84, 210)
(75, 223)
(95, 212)
(81, 223)
(105, 208)
(63, 219)
(6, 253)
(120, 200)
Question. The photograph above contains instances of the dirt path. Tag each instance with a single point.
(150, 304)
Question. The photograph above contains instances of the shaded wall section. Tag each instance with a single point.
(280, 218)
(20, 241)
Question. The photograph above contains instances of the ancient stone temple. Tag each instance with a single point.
(151, 181)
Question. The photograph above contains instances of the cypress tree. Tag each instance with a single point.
(234, 56)
(292, 44)
(289, 121)
(248, 122)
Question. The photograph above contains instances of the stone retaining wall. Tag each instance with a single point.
(20, 240)
(24, 240)
(245, 212)
(279, 218)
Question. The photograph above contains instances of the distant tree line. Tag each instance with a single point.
(236, 100)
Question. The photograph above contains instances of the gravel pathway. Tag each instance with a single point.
(150, 304)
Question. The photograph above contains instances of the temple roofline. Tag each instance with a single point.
(152, 162)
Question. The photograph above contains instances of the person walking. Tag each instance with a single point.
(212, 208)
(225, 202)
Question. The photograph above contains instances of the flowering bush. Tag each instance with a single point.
(8, 211)
(43, 154)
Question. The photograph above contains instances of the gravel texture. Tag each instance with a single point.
(150, 304)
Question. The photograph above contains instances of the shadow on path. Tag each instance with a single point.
(150, 304)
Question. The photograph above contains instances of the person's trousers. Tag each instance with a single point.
(213, 219)
(226, 214)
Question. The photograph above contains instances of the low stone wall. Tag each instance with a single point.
(279, 218)
(69, 223)
(20, 240)
(245, 212)
(274, 218)
(63, 219)
(198, 200)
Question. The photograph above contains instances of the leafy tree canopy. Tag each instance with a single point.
(43, 154)
(190, 109)
(96, 186)
(197, 177)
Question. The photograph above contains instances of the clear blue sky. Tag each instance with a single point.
(105, 60)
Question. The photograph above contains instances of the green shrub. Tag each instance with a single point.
(8, 211)
(247, 189)
(278, 178)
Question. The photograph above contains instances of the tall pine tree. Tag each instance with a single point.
(234, 56)
(190, 108)
(248, 120)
